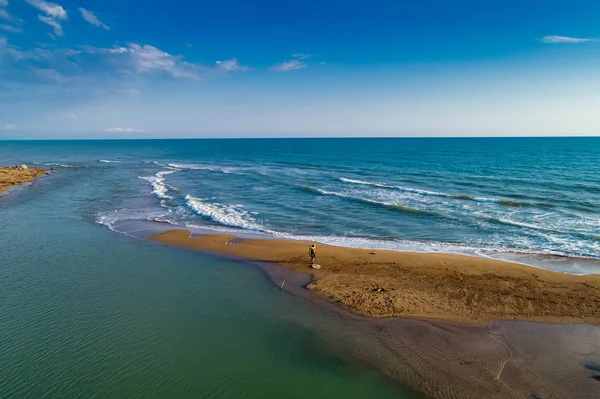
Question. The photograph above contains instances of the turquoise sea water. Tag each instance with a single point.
(90, 313)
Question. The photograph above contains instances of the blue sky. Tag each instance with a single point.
(123, 69)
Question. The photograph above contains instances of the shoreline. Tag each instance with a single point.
(11, 178)
(384, 283)
(571, 265)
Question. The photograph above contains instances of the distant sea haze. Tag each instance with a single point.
(530, 196)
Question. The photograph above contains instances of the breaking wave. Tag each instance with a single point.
(212, 168)
(505, 202)
(161, 189)
(389, 205)
(227, 215)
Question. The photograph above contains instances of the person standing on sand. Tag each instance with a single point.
(313, 253)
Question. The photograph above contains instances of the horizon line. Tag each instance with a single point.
(295, 138)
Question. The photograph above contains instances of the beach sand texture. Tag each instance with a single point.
(13, 176)
(425, 285)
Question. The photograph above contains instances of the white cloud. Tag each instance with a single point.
(138, 59)
(91, 18)
(565, 39)
(292, 65)
(230, 65)
(54, 12)
(289, 66)
(3, 3)
(118, 69)
(9, 127)
(10, 28)
(72, 116)
(124, 130)
(53, 23)
(51, 9)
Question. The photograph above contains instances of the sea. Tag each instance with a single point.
(90, 311)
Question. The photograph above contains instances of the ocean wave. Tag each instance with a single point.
(212, 168)
(61, 165)
(401, 188)
(158, 183)
(237, 170)
(465, 197)
(515, 223)
(110, 218)
(388, 205)
(365, 183)
(506, 202)
(227, 215)
(108, 161)
(509, 202)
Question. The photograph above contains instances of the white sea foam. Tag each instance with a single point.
(228, 215)
(212, 168)
(62, 165)
(407, 189)
(238, 170)
(517, 223)
(158, 183)
(108, 161)
(435, 193)
(346, 196)
(388, 204)
(109, 218)
(365, 183)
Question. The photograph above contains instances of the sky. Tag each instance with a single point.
(327, 68)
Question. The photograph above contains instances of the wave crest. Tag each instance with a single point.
(211, 168)
(227, 215)
(158, 183)
(388, 205)
(464, 197)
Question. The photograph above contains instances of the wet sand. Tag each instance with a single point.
(383, 283)
(441, 359)
(11, 177)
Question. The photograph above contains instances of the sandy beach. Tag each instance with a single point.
(14, 176)
(455, 288)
